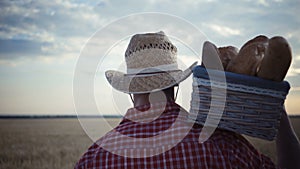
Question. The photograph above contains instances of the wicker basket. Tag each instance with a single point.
(250, 105)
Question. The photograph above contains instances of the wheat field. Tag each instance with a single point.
(59, 143)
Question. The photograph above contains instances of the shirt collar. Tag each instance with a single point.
(149, 112)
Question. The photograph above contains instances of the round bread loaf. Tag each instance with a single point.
(249, 57)
(277, 60)
(211, 56)
(227, 54)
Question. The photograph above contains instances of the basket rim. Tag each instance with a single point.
(235, 78)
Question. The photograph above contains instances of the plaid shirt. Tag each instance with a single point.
(122, 147)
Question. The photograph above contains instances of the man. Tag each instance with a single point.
(155, 133)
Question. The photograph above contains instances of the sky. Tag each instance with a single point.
(41, 43)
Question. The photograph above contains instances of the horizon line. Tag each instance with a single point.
(19, 116)
(78, 116)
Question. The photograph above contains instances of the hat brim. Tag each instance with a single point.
(146, 83)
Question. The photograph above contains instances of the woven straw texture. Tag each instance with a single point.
(146, 83)
(253, 106)
(151, 61)
(152, 57)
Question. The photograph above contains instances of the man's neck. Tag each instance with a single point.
(147, 98)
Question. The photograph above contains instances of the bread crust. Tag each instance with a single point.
(249, 57)
(277, 60)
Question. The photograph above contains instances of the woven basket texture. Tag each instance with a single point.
(253, 106)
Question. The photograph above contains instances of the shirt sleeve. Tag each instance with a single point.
(87, 157)
(245, 155)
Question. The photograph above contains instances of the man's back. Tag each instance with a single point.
(224, 149)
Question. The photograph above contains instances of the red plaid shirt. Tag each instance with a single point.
(223, 149)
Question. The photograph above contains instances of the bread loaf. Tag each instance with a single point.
(227, 54)
(277, 60)
(211, 56)
(249, 57)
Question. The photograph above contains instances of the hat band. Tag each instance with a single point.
(159, 68)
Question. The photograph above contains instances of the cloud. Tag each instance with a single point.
(60, 18)
(263, 2)
(35, 29)
(16, 48)
(64, 26)
(267, 3)
(295, 88)
(293, 72)
(223, 30)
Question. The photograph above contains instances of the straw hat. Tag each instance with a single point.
(151, 65)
